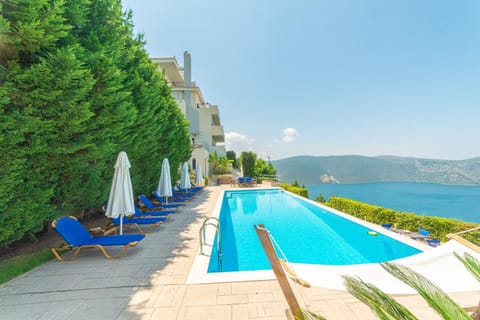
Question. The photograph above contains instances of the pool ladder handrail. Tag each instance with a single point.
(206, 223)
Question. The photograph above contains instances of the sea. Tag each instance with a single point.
(449, 201)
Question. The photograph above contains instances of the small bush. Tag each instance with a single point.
(294, 189)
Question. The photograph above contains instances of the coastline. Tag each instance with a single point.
(461, 202)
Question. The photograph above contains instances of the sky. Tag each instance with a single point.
(322, 77)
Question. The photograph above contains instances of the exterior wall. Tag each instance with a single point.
(205, 132)
(201, 158)
(220, 150)
(205, 127)
(180, 101)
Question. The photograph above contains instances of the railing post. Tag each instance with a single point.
(282, 279)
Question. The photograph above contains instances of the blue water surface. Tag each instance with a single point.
(304, 232)
(449, 201)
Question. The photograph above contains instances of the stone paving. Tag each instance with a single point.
(149, 283)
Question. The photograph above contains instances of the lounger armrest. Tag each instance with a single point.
(110, 230)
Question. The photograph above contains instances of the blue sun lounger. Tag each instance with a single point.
(197, 188)
(181, 195)
(137, 222)
(149, 205)
(193, 190)
(163, 213)
(422, 234)
(172, 199)
(78, 238)
(140, 218)
(241, 181)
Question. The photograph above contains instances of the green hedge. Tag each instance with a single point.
(293, 189)
(77, 87)
(438, 227)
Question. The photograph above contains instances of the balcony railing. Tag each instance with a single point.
(218, 131)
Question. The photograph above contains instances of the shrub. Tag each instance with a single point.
(293, 189)
(438, 227)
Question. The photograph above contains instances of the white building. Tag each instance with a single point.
(205, 129)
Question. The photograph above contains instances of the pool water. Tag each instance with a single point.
(305, 232)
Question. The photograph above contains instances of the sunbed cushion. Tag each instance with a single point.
(75, 234)
(139, 220)
(116, 240)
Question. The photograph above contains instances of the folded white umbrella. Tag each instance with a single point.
(165, 183)
(185, 177)
(199, 175)
(120, 199)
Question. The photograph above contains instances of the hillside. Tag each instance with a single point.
(360, 169)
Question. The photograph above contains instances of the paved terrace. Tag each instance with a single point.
(149, 283)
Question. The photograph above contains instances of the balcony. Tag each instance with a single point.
(196, 146)
(220, 150)
(218, 140)
(214, 109)
(218, 131)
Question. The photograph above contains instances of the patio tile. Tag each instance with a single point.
(250, 287)
(98, 309)
(201, 295)
(232, 299)
(137, 314)
(165, 313)
(275, 309)
(170, 296)
(224, 289)
(208, 313)
(240, 312)
(260, 297)
(256, 310)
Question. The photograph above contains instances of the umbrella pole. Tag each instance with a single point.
(121, 224)
(166, 199)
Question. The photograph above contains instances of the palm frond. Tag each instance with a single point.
(471, 263)
(473, 266)
(434, 296)
(384, 306)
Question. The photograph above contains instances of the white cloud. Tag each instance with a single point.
(290, 135)
(237, 141)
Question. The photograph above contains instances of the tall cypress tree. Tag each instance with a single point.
(103, 39)
(157, 119)
(59, 87)
(76, 88)
(32, 29)
(159, 130)
(247, 160)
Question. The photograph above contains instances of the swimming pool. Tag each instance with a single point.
(306, 232)
(432, 263)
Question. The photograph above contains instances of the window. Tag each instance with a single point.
(194, 164)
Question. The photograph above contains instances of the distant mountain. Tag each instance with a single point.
(310, 170)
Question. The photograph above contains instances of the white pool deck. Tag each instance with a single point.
(150, 282)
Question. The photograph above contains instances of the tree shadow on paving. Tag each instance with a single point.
(49, 238)
(148, 276)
